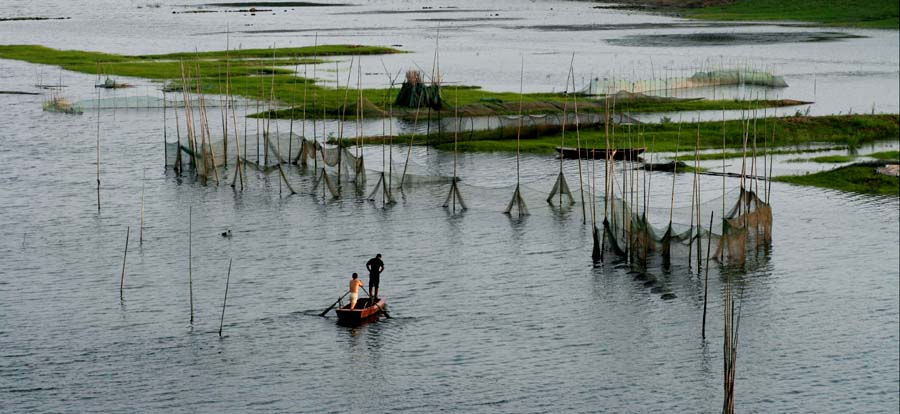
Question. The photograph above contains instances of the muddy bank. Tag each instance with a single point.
(647, 26)
(422, 10)
(728, 39)
(277, 4)
(470, 19)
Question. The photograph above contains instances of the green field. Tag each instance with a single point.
(870, 14)
(858, 178)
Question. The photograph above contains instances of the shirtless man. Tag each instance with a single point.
(355, 284)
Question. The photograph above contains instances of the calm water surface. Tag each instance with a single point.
(490, 314)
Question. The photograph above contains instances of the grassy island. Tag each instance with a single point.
(260, 73)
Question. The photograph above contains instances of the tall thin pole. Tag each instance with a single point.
(519, 131)
(165, 139)
(124, 256)
(98, 151)
(190, 277)
(141, 230)
(706, 283)
(225, 300)
(455, 142)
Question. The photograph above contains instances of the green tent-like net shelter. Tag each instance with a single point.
(415, 93)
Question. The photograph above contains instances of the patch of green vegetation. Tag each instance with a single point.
(886, 155)
(833, 159)
(738, 154)
(871, 14)
(827, 159)
(858, 178)
(779, 132)
(669, 137)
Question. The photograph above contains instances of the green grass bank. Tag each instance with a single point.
(857, 178)
(869, 14)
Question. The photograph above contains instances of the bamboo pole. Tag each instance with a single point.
(225, 299)
(293, 106)
(562, 137)
(165, 138)
(315, 100)
(455, 142)
(178, 167)
(98, 151)
(706, 283)
(141, 232)
(261, 85)
(578, 144)
(694, 201)
(227, 94)
(190, 258)
(303, 124)
(237, 141)
(124, 257)
(519, 133)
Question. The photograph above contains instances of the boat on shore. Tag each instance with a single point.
(367, 310)
(600, 153)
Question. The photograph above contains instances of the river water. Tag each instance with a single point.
(490, 313)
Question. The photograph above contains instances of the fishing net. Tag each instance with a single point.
(739, 77)
(603, 86)
(157, 102)
(561, 188)
(745, 226)
(637, 220)
(517, 202)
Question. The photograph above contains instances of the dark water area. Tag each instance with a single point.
(490, 313)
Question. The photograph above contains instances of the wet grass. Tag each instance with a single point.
(857, 178)
(886, 155)
(871, 14)
(827, 159)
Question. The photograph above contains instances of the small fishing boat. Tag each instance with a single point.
(363, 312)
(600, 153)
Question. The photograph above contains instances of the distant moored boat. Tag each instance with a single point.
(600, 153)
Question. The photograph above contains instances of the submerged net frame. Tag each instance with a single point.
(745, 227)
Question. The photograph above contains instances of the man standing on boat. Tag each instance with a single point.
(375, 267)
(355, 284)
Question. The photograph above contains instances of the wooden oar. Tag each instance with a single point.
(381, 308)
(333, 304)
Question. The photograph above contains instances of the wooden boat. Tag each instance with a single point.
(600, 153)
(364, 312)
